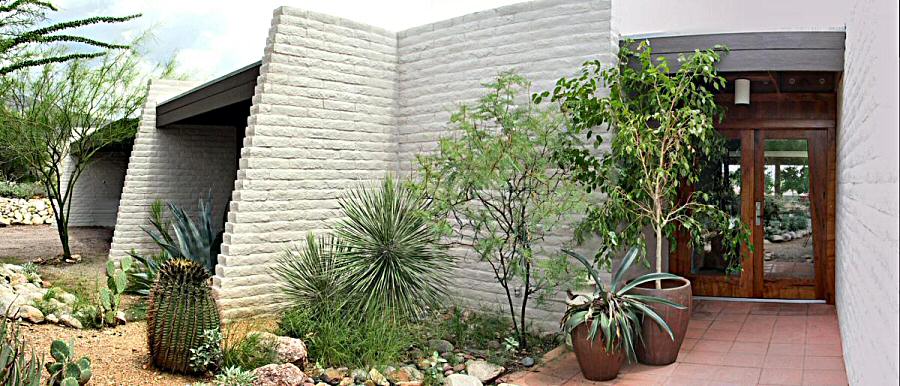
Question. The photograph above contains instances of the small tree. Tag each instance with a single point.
(24, 44)
(497, 188)
(662, 125)
(72, 109)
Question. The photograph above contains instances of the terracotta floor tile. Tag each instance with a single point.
(726, 325)
(786, 349)
(689, 343)
(824, 350)
(720, 335)
(737, 308)
(823, 363)
(753, 336)
(740, 375)
(783, 362)
(703, 315)
(702, 358)
(750, 347)
(824, 377)
(760, 320)
(788, 336)
(636, 382)
(561, 368)
(700, 323)
(694, 371)
(781, 377)
(719, 346)
(821, 309)
(678, 381)
(743, 360)
(694, 333)
(540, 379)
(732, 317)
(580, 381)
(642, 371)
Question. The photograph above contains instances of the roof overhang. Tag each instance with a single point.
(759, 51)
(223, 101)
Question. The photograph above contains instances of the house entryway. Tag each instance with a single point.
(777, 176)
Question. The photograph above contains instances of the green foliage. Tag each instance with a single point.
(24, 42)
(116, 284)
(336, 338)
(22, 190)
(249, 352)
(142, 277)
(392, 262)
(207, 357)
(307, 274)
(181, 308)
(196, 242)
(496, 186)
(18, 366)
(615, 314)
(234, 376)
(434, 373)
(65, 370)
(661, 123)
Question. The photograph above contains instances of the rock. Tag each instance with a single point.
(322, 384)
(290, 350)
(347, 381)
(279, 375)
(334, 375)
(462, 380)
(483, 370)
(120, 317)
(70, 321)
(67, 298)
(527, 361)
(423, 364)
(776, 238)
(507, 384)
(459, 368)
(51, 318)
(31, 314)
(440, 345)
(359, 375)
(410, 383)
(377, 378)
(449, 372)
(404, 374)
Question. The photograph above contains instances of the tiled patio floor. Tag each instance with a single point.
(731, 343)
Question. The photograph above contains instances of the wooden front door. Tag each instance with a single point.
(777, 178)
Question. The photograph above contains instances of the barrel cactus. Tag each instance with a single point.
(181, 308)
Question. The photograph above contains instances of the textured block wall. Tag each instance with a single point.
(322, 121)
(97, 192)
(867, 197)
(177, 165)
(446, 63)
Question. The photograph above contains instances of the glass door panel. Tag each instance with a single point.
(721, 179)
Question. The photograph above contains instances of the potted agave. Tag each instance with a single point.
(603, 327)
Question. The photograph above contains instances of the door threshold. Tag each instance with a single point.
(759, 300)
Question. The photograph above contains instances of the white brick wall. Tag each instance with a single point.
(95, 200)
(177, 165)
(867, 197)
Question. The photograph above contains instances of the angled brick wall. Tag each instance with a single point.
(322, 121)
(868, 185)
(177, 164)
(98, 190)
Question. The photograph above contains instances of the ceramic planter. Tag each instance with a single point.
(658, 348)
(596, 363)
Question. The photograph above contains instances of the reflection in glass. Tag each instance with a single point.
(788, 245)
(721, 180)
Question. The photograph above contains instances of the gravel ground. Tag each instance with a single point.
(33, 242)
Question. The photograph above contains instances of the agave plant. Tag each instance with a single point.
(615, 314)
(197, 242)
(307, 273)
(19, 365)
(393, 261)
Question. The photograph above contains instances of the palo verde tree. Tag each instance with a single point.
(25, 43)
(496, 187)
(70, 110)
(661, 124)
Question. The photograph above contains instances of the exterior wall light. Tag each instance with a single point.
(742, 91)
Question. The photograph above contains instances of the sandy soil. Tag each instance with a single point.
(33, 242)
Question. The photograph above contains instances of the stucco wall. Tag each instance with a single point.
(867, 197)
(98, 190)
(322, 121)
(178, 165)
(445, 64)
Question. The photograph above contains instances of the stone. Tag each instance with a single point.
(121, 318)
(527, 361)
(483, 370)
(776, 238)
(404, 374)
(334, 375)
(507, 384)
(31, 314)
(377, 378)
(290, 350)
(462, 380)
(359, 375)
(440, 345)
(410, 383)
(279, 375)
(459, 368)
(70, 321)
(347, 381)
(51, 318)
(67, 298)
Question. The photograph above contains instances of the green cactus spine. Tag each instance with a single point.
(181, 308)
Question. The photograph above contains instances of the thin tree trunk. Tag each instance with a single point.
(523, 340)
(659, 255)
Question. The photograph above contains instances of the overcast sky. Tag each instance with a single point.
(214, 37)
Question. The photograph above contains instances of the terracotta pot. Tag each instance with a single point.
(658, 348)
(596, 363)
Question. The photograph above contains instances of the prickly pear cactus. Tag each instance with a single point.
(181, 308)
(64, 369)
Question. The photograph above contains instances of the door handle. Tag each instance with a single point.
(758, 213)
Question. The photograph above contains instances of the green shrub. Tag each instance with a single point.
(337, 338)
(234, 376)
(23, 190)
(19, 366)
(307, 273)
(67, 371)
(208, 355)
(248, 352)
(111, 295)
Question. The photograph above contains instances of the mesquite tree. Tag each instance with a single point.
(24, 43)
(70, 110)
(661, 125)
(496, 187)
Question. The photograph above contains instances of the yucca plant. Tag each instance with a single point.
(181, 308)
(392, 259)
(307, 273)
(615, 314)
(19, 366)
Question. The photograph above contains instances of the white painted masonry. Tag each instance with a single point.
(98, 189)
(868, 186)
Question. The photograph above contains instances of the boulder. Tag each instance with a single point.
(440, 345)
(462, 380)
(70, 321)
(484, 370)
(290, 350)
(279, 375)
(377, 378)
(334, 375)
(31, 314)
